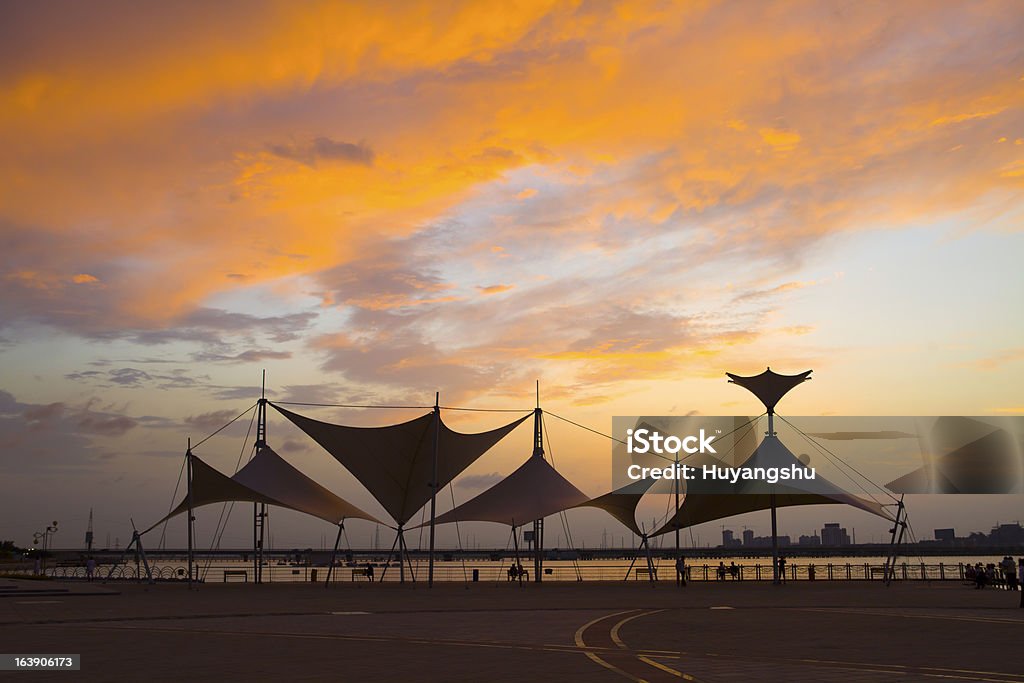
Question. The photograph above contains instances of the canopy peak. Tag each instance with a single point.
(769, 386)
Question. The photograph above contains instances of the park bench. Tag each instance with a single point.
(646, 573)
(236, 572)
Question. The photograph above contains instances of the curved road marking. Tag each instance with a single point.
(928, 672)
(578, 638)
(646, 660)
(614, 633)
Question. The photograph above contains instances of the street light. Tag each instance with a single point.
(45, 535)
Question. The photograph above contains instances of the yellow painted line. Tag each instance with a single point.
(547, 647)
(614, 633)
(666, 669)
(987, 620)
(578, 639)
(921, 669)
(910, 670)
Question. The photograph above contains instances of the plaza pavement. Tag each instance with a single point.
(821, 631)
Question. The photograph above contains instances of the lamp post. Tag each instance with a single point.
(45, 535)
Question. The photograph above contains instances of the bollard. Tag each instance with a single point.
(312, 575)
(476, 575)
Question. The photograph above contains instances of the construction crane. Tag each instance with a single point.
(88, 533)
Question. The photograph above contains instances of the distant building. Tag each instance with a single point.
(814, 539)
(833, 535)
(945, 535)
(729, 539)
(748, 537)
(766, 541)
(1007, 534)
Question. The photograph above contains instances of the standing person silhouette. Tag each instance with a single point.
(680, 572)
(782, 570)
(1020, 573)
(1010, 573)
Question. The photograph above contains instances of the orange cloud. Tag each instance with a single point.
(780, 140)
(280, 148)
(495, 289)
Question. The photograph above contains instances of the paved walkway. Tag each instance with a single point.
(565, 632)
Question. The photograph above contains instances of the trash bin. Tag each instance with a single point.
(476, 575)
(312, 575)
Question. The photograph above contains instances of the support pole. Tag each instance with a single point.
(400, 540)
(538, 524)
(433, 488)
(412, 570)
(137, 538)
(191, 517)
(387, 563)
(334, 553)
(124, 554)
(676, 518)
(256, 543)
(515, 544)
(260, 509)
(776, 579)
(650, 562)
(633, 561)
(897, 538)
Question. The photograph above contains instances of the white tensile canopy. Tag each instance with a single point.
(267, 478)
(396, 462)
(274, 476)
(622, 503)
(534, 491)
(717, 502)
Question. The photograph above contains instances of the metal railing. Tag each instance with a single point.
(494, 572)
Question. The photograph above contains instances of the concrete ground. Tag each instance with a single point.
(822, 631)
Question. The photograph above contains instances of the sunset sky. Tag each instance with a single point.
(376, 201)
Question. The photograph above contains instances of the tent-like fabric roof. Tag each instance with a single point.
(272, 475)
(622, 502)
(210, 486)
(267, 478)
(534, 491)
(769, 386)
(717, 501)
(395, 463)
